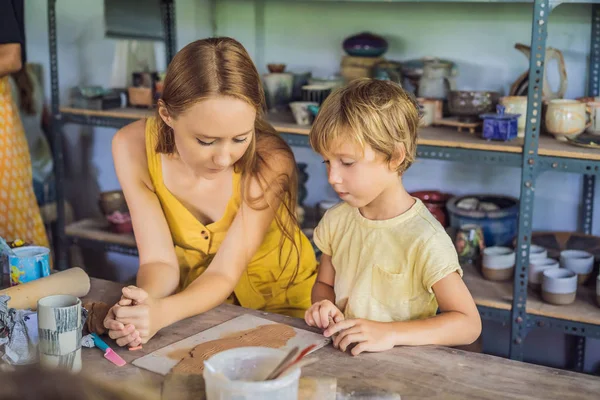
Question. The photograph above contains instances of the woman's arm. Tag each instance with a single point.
(10, 58)
(210, 289)
(159, 270)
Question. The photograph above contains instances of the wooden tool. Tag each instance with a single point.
(73, 281)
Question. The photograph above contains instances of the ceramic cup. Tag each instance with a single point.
(594, 128)
(579, 261)
(28, 264)
(429, 110)
(536, 270)
(498, 263)
(537, 253)
(60, 325)
(567, 118)
(301, 113)
(559, 286)
(516, 105)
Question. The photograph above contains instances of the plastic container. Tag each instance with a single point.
(240, 373)
(499, 226)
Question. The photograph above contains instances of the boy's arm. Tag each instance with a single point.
(458, 324)
(323, 288)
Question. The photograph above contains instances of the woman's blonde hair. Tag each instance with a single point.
(222, 67)
(369, 112)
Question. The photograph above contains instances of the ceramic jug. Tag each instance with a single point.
(551, 54)
(437, 80)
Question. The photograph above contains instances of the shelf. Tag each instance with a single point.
(439, 143)
(94, 233)
(498, 295)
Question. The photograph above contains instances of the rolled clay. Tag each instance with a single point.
(96, 314)
(73, 281)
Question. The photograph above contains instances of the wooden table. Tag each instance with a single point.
(427, 372)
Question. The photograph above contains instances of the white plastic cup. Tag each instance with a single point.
(239, 374)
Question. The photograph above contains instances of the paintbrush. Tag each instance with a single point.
(286, 360)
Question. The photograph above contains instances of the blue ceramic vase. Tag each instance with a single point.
(365, 44)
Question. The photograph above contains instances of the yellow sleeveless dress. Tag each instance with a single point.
(264, 283)
(20, 216)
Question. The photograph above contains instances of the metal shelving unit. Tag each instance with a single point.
(522, 311)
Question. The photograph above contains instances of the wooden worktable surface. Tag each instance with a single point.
(428, 372)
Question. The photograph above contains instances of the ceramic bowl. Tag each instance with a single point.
(579, 261)
(498, 263)
(536, 270)
(467, 104)
(537, 253)
(559, 286)
(115, 210)
(276, 68)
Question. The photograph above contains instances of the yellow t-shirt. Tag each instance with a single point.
(384, 270)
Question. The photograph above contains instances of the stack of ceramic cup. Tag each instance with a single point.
(498, 263)
(559, 285)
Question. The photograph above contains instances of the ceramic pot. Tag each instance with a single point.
(436, 204)
(315, 93)
(567, 118)
(428, 111)
(498, 263)
(467, 105)
(278, 90)
(536, 271)
(559, 286)
(579, 261)
(517, 105)
(594, 128)
(115, 210)
(365, 44)
(436, 81)
(60, 325)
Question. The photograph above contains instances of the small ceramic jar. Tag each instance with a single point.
(537, 253)
(500, 126)
(498, 263)
(536, 269)
(559, 286)
(579, 261)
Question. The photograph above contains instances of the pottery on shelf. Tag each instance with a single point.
(559, 286)
(469, 104)
(517, 105)
(365, 44)
(115, 210)
(536, 271)
(435, 202)
(278, 90)
(437, 80)
(315, 93)
(276, 68)
(301, 112)
(412, 70)
(500, 126)
(498, 263)
(579, 261)
(567, 118)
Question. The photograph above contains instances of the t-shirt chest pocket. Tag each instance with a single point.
(391, 290)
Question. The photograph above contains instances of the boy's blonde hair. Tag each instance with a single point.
(369, 111)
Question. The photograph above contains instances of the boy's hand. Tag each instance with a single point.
(319, 313)
(366, 335)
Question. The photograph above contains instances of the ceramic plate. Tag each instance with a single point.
(586, 140)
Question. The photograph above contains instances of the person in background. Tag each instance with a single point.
(19, 212)
(28, 94)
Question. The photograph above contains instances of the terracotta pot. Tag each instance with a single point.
(435, 202)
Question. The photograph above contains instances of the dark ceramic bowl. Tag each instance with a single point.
(467, 104)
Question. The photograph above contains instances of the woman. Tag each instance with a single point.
(19, 213)
(211, 176)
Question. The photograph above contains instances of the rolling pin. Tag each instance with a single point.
(73, 281)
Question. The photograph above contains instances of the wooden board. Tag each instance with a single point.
(160, 362)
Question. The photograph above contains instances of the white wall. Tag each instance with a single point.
(308, 36)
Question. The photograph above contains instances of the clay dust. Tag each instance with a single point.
(192, 360)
